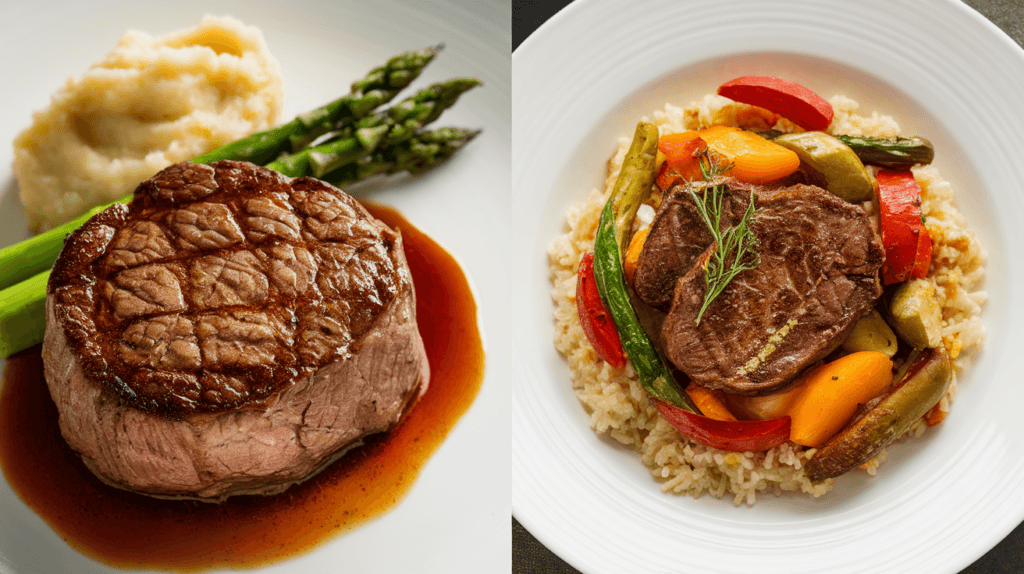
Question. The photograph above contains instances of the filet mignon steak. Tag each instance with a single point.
(229, 331)
(818, 274)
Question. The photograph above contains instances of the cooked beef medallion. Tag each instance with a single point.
(678, 236)
(229, 331)
(818, 274)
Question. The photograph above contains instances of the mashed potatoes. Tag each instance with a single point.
(149, 103)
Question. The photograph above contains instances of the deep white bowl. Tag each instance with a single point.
(585, 78)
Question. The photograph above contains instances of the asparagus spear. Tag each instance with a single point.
(22, 260)
(379, 87)
(388, 127)
(416, 155)
(23, 314)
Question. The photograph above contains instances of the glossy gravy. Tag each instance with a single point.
(131, 531)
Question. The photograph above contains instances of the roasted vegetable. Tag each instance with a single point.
(915, 314)
(935, 415)
(762, 407)
(822, 399)
(754, 159)
(923, 386)
(636, 246)
(872, 333)
(682, 158)
(893, 153)
(908, 245)
(710, 402)
(789, 99)
(597, 324)
(632, 187)
(844, 173)
(727, 435)
(829, 395)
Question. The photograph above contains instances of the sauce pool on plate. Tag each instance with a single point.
(132, 531)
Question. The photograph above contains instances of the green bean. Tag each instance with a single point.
(631, 189)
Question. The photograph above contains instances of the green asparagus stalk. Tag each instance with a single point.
(389, 127)
(23, 314)
(416, 155)
(385, 128)
(22, 260)
(379, 87)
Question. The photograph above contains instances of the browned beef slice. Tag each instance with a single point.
(817, 276)
(677, 238)
(228, 331)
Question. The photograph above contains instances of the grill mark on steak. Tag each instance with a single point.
(204, 226)
(218, 285)
(817, 276)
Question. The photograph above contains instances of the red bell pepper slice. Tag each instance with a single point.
(682, 159)
(597, 324)
(923, 258)
(908, 245)
(728, 435)
(788, 99)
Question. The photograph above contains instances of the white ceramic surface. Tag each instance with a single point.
(937, 503)
(455, 518)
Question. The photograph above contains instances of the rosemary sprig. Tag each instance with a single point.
(736, 246)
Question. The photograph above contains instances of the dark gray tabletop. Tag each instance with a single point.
(530, 556)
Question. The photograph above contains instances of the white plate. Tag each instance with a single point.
(945, 73)
(456, 517)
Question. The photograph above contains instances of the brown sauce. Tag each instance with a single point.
(131, 531)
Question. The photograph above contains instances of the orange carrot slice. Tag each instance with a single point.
(636, 245)
(829, 395)
(709, 402)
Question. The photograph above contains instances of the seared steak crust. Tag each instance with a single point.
(218, 285)
(678, 236)
(817, 276)
(229, 331)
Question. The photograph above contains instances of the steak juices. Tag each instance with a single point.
(229, 331)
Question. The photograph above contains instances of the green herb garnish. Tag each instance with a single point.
(736, 246)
